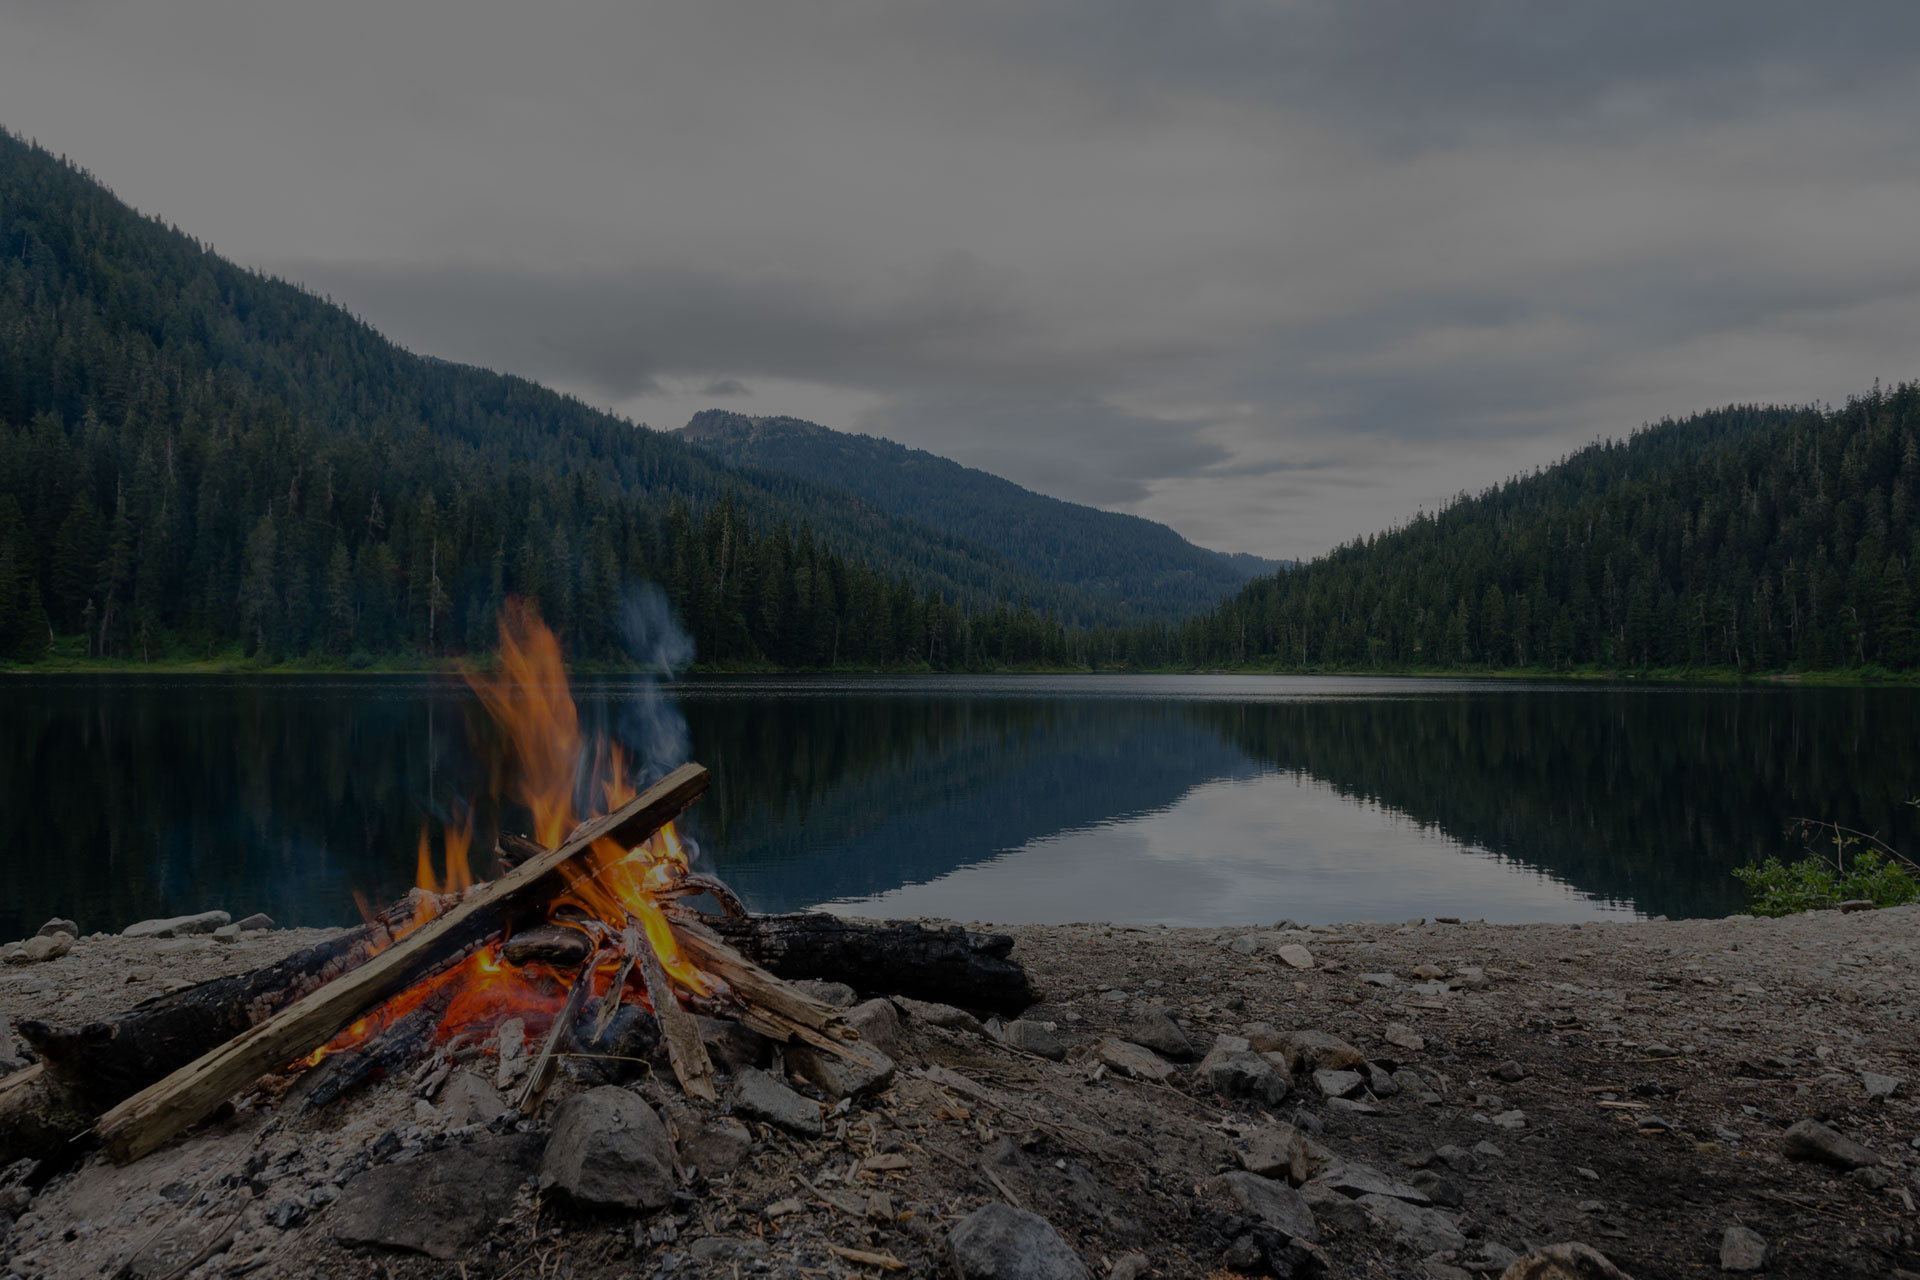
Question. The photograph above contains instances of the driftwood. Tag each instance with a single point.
(892, 957)
(158, 1112)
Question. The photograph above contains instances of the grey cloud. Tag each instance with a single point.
(726, 387)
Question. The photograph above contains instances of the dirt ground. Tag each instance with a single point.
(1626, 1085)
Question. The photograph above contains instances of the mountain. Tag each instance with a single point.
(1143, 569)
(198, 459)
(1756, 539)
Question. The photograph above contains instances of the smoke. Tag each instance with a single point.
(650, 725)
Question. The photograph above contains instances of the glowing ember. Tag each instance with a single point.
(606, 888)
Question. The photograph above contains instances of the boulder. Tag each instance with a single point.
(1811, 1140)
(1569, 1261)
(608, 1150)
(1034, 1038)
(878, 1023)
(440, 1204)
(1158, 1032)
(839, 1077)
(1742, 1249)
(999, 1242)
(177, 926)
(758, 1096)
(1132, 1060)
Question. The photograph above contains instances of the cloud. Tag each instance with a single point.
(1279, 273)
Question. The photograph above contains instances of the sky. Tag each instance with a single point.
(1276, 274)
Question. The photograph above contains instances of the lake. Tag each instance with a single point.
(1184, 800)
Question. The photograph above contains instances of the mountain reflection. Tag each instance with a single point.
(135, 797)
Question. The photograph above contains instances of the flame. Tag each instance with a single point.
(609, 885)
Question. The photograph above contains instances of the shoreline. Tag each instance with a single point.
(1627, 1085)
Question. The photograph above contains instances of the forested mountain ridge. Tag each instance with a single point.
(197, 458)
(1757, 539)
(1144, 568)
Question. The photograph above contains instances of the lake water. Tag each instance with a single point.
(1188, 800)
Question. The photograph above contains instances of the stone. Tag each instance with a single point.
(551, 944)
(57, 925)
(733, 1045)
(878, 1023)
(1132, 1060)
(835, 995)
(1262, 1038)
(1510, 1072)
(468, 1099)
(1811, 1140)
(716, 1147)
(941, 1015)
(999, 1242)
(1852, 905)
(1379, 979)
(1295, 956)
(1425, 1229)
(1275, 1205)
(258, 920)
(1318, 1051)
(1489, 1150)
(1742, 1249)
(608, 1150)
(512, 1059)
(839, 1077)
(227, 933)
(1277, 1151)
(1356, 1180)
(718, 1249)
(1338, 1084)
(41, 948)
(1872, 1177)
(1515, 1119)
(1441, 1190)
(1355, 1107)
(1405, 1037)
(1132, 1266)
(1241, 1073)
(785, 1208)
(1427, 972)
(1158, 1032)
(1033, 1037)
(1880, 1088)
(440, 1204)
(177, 926)
(1380, 1081)
(1472, 978)
(758, 1096)
(1569, 1261)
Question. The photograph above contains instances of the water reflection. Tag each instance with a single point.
(1180, 799)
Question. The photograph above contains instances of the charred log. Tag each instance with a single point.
(884, 957)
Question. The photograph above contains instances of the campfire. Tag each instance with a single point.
(584, 946)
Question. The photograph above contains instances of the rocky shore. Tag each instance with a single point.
(1430, 1098)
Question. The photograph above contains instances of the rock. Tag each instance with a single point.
(785, 1208)
(715, 1249)
(1472, 978)
(733, 1045)
(441, 1203)
(836, 995)
(1158, 1032)
(1872, 1177)
(1338, 1084)
(1510, 1120)
(716, 1147)
(1852, 905)
(1488, 1150)
(1880, 1088)
(1511, 1072)
(999, 1242)
(1379, 979)
(1380, 1081)
(837, 1077)
(258, 920)
(57, 925)
(547, 944)
(1570, 1261)
(1405, 1037)
(878, 1023)
(468, 1099)
(1356, 1180)
(1318, 1051)
(941, 1015)
(1278, 1151)
(1295, 956)
(1427, 972)
(14, 953)
(177, 926)
(512, 1037)
(1132, 1266)
(1427, 1230)
(1811, 1140)
(227, 933)
(42, 948)
(1440, 1190)
(608, 1150)
(1245, 1256)
(1132, 1060)
(1742, 1249)
(1241, 1073)
(1355, 1107)
(1276, 1205)
(758, 1096)
(1033, 1037)
(1261, 1038)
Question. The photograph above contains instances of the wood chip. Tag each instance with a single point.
(885, 1261)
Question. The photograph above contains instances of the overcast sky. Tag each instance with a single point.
(1277, 274)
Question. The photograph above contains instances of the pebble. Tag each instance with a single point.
(1237, 1072)
(840, 1077)
(258, 920)
(1582, 1171)
(1132, 1266)
(1338, 1084)
(177, 926)
(57, 925)
(1296, 956)
(878, 1023)
(1510, 1072)
(759, 1096)
(1880, 1088)
(1811, 1140)
(1742, 1249)
(1132, 1060)
(1318, 1051)
(42, 947)
(1405, 1037)
(1379, 979)
(1160, 1033)
(1034, 1037)
(1515, 1119)
(1489, 1150)
(1000, 1242)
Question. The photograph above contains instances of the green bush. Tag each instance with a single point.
(1778, 888)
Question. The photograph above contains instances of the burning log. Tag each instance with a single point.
(150, 1117)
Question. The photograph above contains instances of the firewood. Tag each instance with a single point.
(152, 1116)
(542, 1073)
(685, 1051)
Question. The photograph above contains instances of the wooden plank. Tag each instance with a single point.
(158, 1112)
(684, 1048)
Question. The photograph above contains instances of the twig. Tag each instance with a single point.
(543, 1066)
